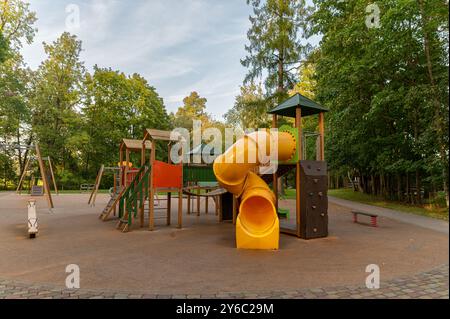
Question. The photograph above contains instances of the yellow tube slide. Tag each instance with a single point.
(257, 225)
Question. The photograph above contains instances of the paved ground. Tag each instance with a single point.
(427, 285)
(202, 260)
(422, 221)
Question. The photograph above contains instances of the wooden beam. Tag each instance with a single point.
(322, 136)
(43, 177)
(169, 208)
(234, 210)
(53, 175)
(22, 177)
(198, 201)
(151, 196)
(298, 125)
(98, 180)
(275, 174)
(121, 179)
(180, 208)
(206, 203)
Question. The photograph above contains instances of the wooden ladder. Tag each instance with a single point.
(111, 204)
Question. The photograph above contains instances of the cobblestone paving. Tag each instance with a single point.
(433, 284)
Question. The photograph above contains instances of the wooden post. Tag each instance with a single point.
(43, 177)
(152, 190)
(115, 191)
(169, 207)
(122, 181)
(275, 174)
(143, 151)
(219, 206)
(216, 204)
(98, 180)
(53, 175)
(127, 167)
(206, 203)
(169, 195)
(298, 124)
(25, 169)
(142, 208)
(189, 199)
(234, 210)
(322, 136)
(180, 208)
(198, 200)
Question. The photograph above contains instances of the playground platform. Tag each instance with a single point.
(201, 259)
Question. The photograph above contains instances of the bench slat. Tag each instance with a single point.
(364, 214)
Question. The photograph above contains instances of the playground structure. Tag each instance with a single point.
(36, 191)
(139, 185)
(254, 205)
(123, 173)
(137, 188)
(257, 224)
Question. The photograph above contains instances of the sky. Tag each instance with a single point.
(179, 46)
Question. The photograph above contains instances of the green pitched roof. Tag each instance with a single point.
(288, 107)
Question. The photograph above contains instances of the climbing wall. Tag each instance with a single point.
(314, 199)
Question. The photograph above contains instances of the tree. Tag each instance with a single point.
(250, 109)
(56, 96)
(16, 27)
(117, 106)
(194, 108)
(275, 48)
(306, 84)
(16, 23)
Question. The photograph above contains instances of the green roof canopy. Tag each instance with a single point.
(288, 107)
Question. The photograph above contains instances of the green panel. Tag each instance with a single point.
(198, 174)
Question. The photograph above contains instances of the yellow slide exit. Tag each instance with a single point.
(257, 225)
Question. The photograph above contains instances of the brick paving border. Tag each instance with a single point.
(433, 284)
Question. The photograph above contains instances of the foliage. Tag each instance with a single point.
(275, 48)
(387, 89)
(116, 106)
(250, 109)
(16, 23)
(4, 48)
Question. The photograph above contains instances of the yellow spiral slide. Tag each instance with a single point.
(257, 225)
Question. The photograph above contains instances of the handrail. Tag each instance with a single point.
(129, 190)
(139, 194)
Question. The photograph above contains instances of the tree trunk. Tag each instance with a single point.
(399, 188)
(418, 186)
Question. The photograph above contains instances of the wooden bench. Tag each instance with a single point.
(373, 218)
(86, 187)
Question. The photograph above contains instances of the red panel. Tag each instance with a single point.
(167, 175)
(132, 173)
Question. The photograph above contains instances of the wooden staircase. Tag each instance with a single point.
(115, 198)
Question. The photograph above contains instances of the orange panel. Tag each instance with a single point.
(167, 175)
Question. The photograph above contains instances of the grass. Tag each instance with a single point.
(349, 194)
